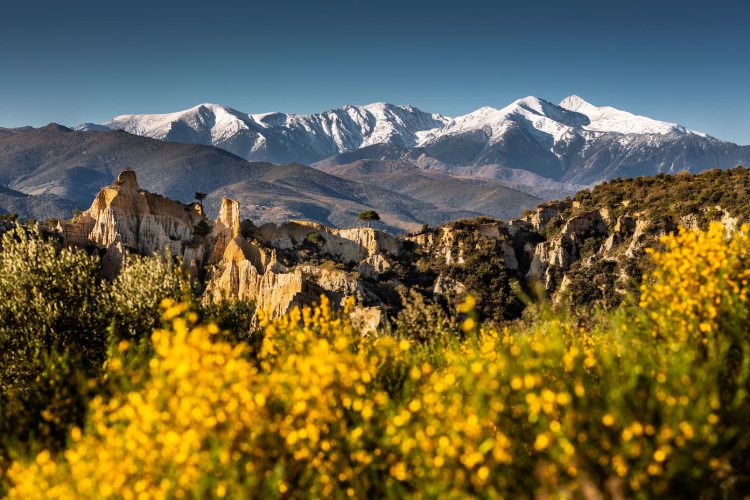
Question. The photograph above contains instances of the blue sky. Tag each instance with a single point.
(76, 61)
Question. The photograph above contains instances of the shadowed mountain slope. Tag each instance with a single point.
(74, 165)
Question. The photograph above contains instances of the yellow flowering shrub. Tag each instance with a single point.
(651, 403)
(700, 281)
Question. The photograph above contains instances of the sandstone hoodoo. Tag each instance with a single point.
(586, 250)
(125, 218)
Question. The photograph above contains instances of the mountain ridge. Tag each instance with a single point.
(571, 142)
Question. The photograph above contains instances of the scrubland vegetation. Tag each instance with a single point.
(132, 389)
(671, 196)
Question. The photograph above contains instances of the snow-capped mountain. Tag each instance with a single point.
(574, 141)
(282, 137)
(572, 116)
(608, 119)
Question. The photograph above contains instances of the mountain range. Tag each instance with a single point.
(530, 142)
(411, 166)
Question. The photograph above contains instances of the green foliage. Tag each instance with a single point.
(485, 276)
(235, 319)
(135, 294)
(315, 239)
(673, 196)
(368, 216)
(202, 228)
(594, 284)
(422, 321)
(48, 295)
(52, 338)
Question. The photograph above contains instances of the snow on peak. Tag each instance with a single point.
(608, 119)
(535, 114)
(576, 103)
(316, 136)
(283, 137)
(573, 115)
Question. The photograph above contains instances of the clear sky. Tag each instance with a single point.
(75, 61)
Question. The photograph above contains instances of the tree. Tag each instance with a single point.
(368, 216)
(315, 239)
(200, 196)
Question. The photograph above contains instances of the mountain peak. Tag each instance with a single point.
(56, 127)
(575, 103)
(529, 100)
(285, 137)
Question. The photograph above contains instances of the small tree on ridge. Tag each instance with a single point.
(368, 216)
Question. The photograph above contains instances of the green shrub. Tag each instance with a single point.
(484, 274)
(235, 319)
(135, 295)
(52, 338)
(315, 239)
(420, 320)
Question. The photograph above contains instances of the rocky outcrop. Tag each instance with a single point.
(348, 245)
(123, 216)
(546, 212)
(449, 245)
(552, 258)
(373, 266)
(367, 320)
(246, 266)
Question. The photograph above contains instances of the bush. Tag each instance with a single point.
(650, 403)
(56, 324)
(315, 239)
(235, 319)
(485, 276)
(203, 228)
(52, 338)
(136, 293)
(421, 321)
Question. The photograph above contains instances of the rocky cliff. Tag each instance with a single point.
(232, 263)
(125, 217)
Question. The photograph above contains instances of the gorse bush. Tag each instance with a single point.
(653, 402)
(59, 321)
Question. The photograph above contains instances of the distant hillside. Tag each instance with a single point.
(40, 207)
(74, 165)
(485, 196)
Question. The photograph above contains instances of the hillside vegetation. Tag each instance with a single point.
(649, 401)
(469, 387)
(673, 196)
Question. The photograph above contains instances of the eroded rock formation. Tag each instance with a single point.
(125, 218)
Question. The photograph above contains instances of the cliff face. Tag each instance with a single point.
(123, 216)
(347, 245)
